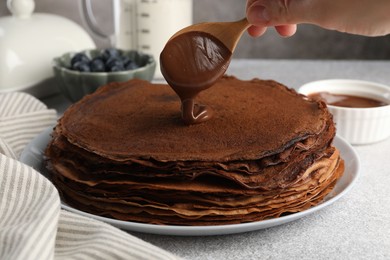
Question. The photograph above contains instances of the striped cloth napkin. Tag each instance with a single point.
(32, 224)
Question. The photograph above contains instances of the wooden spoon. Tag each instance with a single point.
(194, 58)
(198, 55)
(229, 33)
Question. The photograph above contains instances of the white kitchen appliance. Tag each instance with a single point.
(144, 25)
(28, 44)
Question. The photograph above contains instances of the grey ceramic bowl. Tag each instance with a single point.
(75, 84)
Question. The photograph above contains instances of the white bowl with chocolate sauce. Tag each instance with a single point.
(361, 109)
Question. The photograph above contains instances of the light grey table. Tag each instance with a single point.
(355, 227)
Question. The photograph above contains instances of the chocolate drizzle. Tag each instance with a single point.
(191, 63)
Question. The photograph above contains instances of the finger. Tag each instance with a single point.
(257, 14)
(256, 31)
(286, 30)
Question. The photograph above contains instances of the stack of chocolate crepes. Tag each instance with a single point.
(124, 153)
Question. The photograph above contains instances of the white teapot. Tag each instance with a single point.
(29, 42)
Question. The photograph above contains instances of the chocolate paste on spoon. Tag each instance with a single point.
(192, 62)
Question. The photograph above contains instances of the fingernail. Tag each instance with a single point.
(258, 14)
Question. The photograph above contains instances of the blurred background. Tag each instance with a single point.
(310, 42)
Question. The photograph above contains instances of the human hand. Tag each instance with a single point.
(365, 17)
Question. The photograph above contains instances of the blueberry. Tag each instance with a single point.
(110, 53)
(113, 61)
(97, 65)
(114, 64)
(131, 65)
(79, 57)
(82, 66)
(124, 59)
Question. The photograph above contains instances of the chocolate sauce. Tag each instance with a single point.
(190, 63)
(347, 100)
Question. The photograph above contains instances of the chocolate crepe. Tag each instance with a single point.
(123, 152)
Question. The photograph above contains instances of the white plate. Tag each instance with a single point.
(32, 155)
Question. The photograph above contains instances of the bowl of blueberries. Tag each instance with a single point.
(81, 73)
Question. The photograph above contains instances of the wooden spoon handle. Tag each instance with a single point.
(231, 33)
